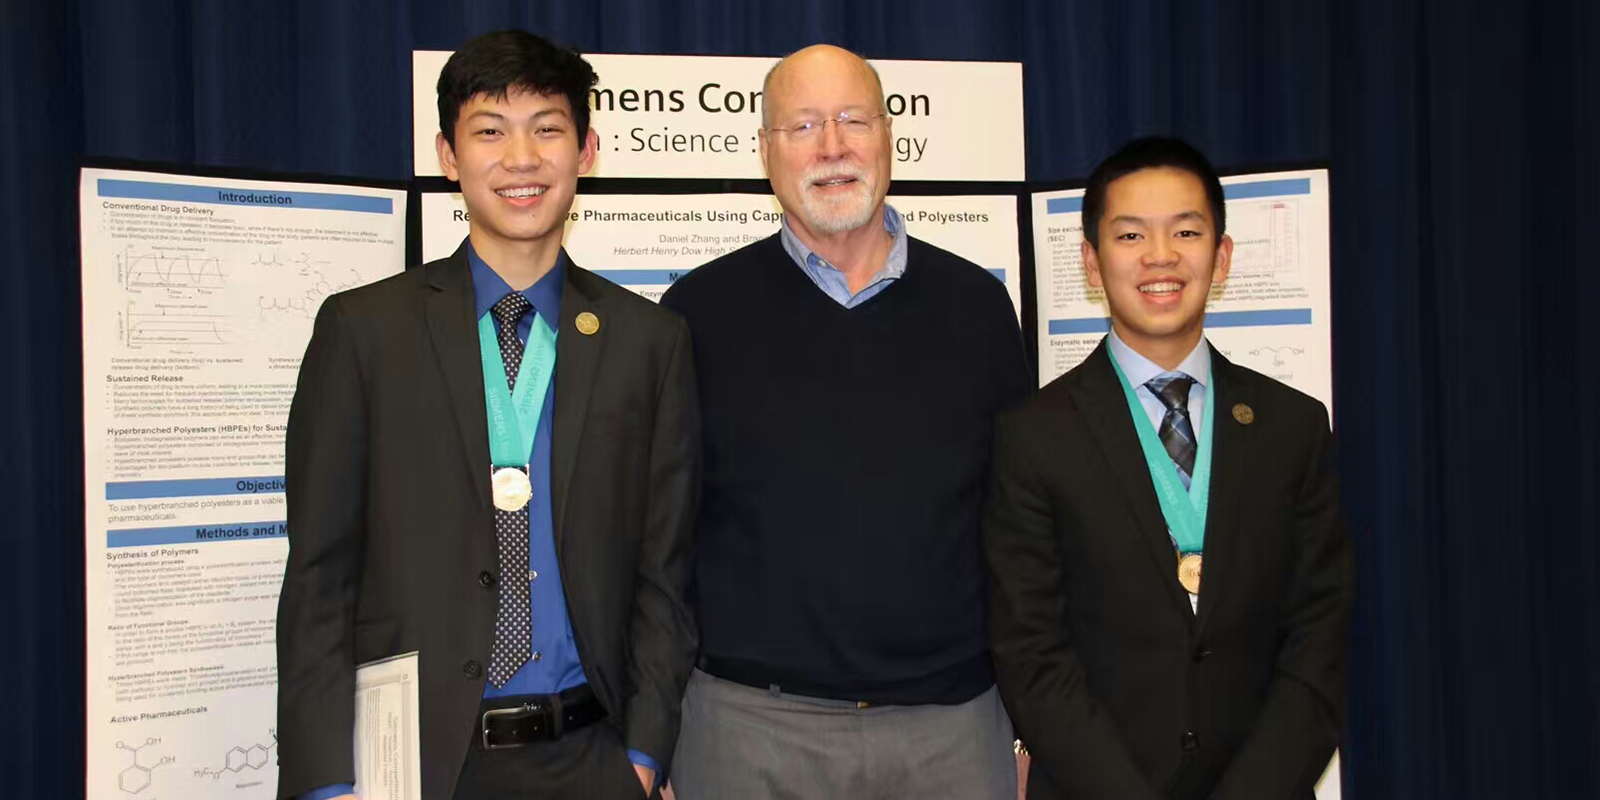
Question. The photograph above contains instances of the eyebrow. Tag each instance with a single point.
(498, 117)
(849, 109)
(1179, 217)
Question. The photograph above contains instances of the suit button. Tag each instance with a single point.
(486, 579)
(1201, 653)
(472, 669)
(1188, 740)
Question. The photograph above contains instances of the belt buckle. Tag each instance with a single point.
(534, 710)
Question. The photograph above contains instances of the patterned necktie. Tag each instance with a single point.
(1177, 435)
(512, 623)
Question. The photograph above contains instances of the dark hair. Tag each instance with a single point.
(496, 63)
(1150, 153)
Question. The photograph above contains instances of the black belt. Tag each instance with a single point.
(516, 720)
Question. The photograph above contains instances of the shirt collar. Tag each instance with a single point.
(893, 267)
(545, 294)
(1140, 370)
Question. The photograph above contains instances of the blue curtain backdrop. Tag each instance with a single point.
(1463, 138)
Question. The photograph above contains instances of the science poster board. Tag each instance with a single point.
(199, 294)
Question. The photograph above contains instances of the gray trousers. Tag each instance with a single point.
(742, 743)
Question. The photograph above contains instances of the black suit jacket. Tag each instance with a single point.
(391, 538)
(1117, 687)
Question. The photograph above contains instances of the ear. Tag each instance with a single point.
(1091, 264)
(1224, 260)
(761, 138)
(447, 157)
(591, 148)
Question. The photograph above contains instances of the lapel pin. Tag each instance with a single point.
(588, 324)
(1244, 414)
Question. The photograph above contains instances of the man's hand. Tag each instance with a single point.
(343, 797)
(647, 778)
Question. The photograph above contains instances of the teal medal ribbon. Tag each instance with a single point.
(1185, 511)
(514, 416)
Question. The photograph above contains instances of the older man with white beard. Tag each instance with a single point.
(849, 377)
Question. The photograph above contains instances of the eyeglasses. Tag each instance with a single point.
(848, 127)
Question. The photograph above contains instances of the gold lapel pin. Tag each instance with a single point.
(1244, 414)
(588, 324)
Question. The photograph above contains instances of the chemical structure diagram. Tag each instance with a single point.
(306, 303)
(1279, 355)
(136, 777)
(242, 758)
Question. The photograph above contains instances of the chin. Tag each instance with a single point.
(522, 233)
(1166, 330)
(825, 217)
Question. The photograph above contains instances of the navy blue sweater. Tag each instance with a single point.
(847, 450)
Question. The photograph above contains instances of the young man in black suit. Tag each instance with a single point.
(1120, 483)
(493, 460)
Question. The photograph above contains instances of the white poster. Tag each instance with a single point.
(1272, 313)
(198, 301)
(696, 116)
(644, 242)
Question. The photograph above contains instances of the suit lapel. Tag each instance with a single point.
(1099, 398)
(1229, 454)
(577, 361)
(453, 331)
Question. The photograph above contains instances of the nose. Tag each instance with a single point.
(830, 143)
(521, 153)
(1160, 253)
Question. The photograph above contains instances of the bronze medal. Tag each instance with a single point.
(1189, 572)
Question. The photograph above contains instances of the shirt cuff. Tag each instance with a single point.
(329, 791)
(640, 759)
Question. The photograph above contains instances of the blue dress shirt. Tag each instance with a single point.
(554, 665)
(833, 282)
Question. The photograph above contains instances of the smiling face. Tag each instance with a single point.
(517, 159)
(1157, 259)
(829, 182)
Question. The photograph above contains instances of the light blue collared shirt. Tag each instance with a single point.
(832, 282)
(1140, 370)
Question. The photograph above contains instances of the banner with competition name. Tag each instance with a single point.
(198, 300)
(644, 242)
(696, 116)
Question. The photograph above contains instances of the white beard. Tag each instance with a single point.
(838, 213)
